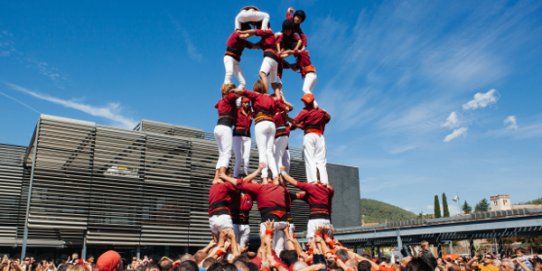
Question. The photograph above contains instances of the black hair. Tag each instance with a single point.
(364, 266)
(300, 14)
(222, 266)
(288, 257)
(252, 266)
(418, 264)
(287, 25)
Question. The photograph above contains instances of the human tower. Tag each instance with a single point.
(232, 193)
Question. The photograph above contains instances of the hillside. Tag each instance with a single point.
(375, 211)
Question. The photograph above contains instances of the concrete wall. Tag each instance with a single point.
(346, 207)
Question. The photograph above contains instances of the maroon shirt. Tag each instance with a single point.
(220, 197)
(265, 106)
(297, 29)
(235, 45)
(273, 200)
(303, 58)
(287, 42)
(312, 120)
(226, 109)
(282, 128)
(241, 204)
(243, 121)
(318, 197)
(268, 40)
(268, 43)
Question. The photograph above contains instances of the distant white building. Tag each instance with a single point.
(500, 203)
(503, 203)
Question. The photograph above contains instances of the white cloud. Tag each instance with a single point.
(511, 123)
(6, 44)
(111, 112)
(452, 121)
(8, 49)
(191, 49)
(20, 102)
(455, 134)
(402, 149)
(481, 100)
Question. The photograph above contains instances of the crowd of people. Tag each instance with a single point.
(322, 253)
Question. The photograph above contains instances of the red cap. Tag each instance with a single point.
(109, 261)
(245, 100)
(307, 98)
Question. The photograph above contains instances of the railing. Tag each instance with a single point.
(473, 217)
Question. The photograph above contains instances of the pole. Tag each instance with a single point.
(84, 250)
(34, 154)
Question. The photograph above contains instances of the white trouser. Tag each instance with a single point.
(314, 153)
(247, 16)
(279, 241)
(233, 68)
(309, 82)
(223, 136)
(279, 149)
(269, 67)
(241, 150)
(313, 224)
(286, 160)
(242, 233)
(219, 223)
(265, 139)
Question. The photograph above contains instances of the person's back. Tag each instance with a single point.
(427, 255)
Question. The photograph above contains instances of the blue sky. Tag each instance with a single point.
(425, 96)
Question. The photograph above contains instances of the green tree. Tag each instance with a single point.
(466, 208)
(482, 206)
(445, 211)
(436, 207)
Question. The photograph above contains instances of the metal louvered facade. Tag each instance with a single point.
(96, 185)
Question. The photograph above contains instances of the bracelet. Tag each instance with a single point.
(268, 232)
(283, 173)
(219, 252)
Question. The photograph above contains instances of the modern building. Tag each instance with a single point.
(84, 186)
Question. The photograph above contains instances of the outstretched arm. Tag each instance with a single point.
(287, 177)
(254, 174)
(227, 178)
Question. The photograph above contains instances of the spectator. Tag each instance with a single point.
(427, 255)
(109, 261)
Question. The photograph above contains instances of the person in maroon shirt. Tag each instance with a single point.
(319, 197)
(273, 203)
(304, 66)
(288, 39)
(223, 130)
(265, 107)
(313, 121)
(241, 138)
(220, 202)
(240, 206)
(298, 18)
(251, 16)
(219, 211)
(271, 60)
(235, 45)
